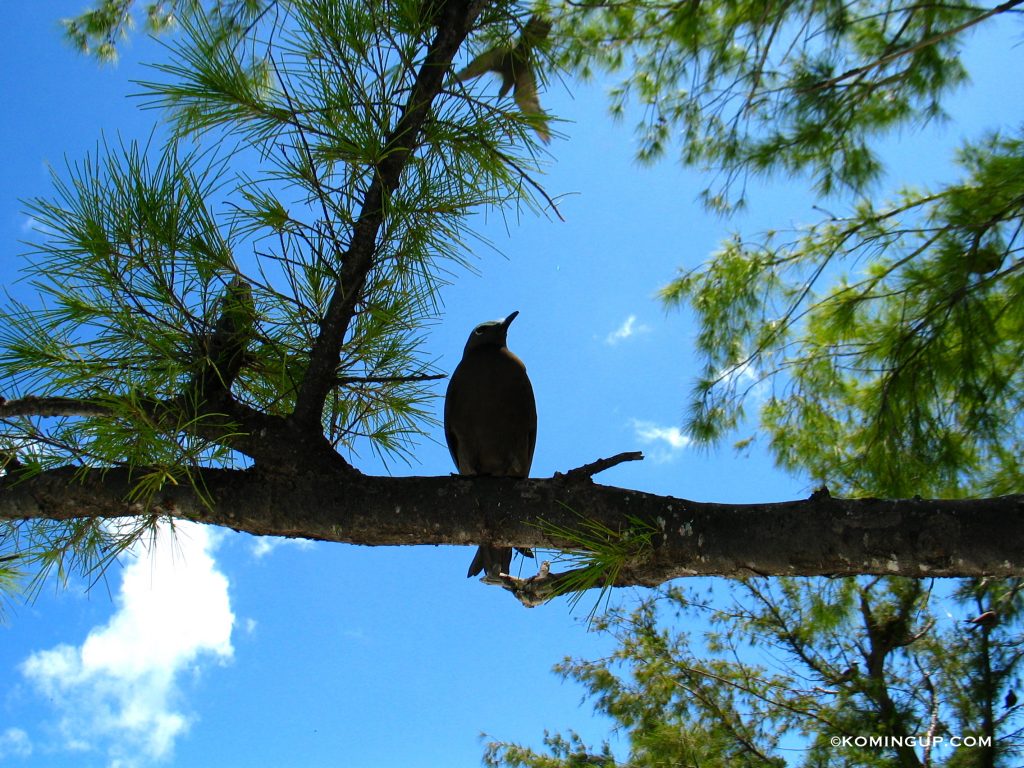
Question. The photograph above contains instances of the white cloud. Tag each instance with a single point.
(746, 378)
(119, 689)
(14, 742)
(649, 432)
(32, 225)
(674, 440)
(356, 633)
(624, 331)
(264, 545)
(745, 374)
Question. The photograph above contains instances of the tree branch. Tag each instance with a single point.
(812, 537)
(52, 407)
(936, 38)
(589, 470)
(343, 380)
(454, 23)
(270, 440)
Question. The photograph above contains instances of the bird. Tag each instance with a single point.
(847, 674)
(223, 352)
(986, 620)
(490, 420)
(516, 66)
(1011, 699)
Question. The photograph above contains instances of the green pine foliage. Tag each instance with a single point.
(100, 30)
(136, 249)
(599, 555)
(791, 672)
(754, 87)
(893, 337)
(167, 278)
(880, 350)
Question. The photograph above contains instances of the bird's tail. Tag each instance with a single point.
(491, 561)
(494, 560)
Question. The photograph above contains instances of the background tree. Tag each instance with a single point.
(909, 367)
(108, 23)
(789, 666)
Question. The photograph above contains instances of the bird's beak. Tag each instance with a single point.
(508, 321)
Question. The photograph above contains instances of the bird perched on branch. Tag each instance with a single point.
(516, 66)
(490, 420)
(222, 353)
(986, 620)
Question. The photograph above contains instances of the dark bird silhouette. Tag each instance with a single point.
(223, 352)
(490, 420)
(847, 674)
(987, 620)
(1011, 699)
(515, 64)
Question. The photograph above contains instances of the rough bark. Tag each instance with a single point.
(817, 536)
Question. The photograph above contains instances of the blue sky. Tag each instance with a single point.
(218, 648)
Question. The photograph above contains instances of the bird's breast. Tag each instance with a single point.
(491, 415)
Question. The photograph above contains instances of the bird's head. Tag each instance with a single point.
(493, 333)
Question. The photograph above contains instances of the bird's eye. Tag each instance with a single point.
(478, 331)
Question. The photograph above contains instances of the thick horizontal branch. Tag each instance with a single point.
(812, 537)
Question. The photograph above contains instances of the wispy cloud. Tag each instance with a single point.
(745, 374)
(747, 379)
(629, 328)
(32, 224)
(119, 690)
(668, 441)
(14, 742)
(264, 545)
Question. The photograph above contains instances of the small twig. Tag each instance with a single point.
(9, 461)
(918, 635)
(532, 591)
(342, 380)
(532, 182)
(591, 469)
(538, 589)
(911, 49)
(53, 407)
